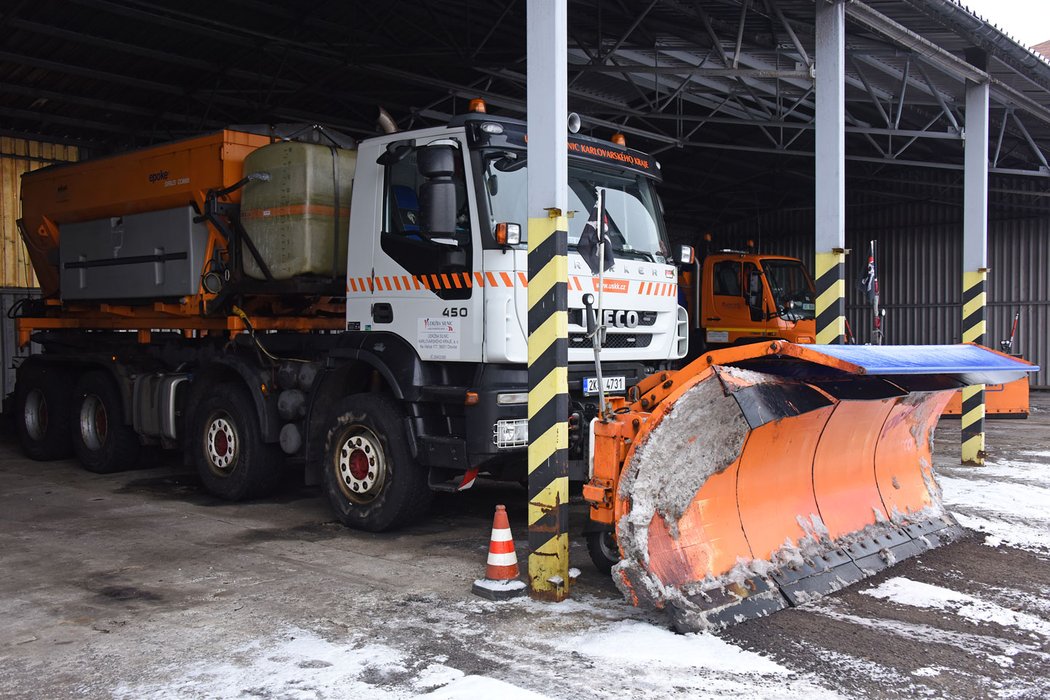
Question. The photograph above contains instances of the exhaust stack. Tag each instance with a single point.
(386, 122)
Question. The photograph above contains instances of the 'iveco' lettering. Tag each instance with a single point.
(621, 319)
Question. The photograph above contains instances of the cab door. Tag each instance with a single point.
(428, 250)
(725, 314)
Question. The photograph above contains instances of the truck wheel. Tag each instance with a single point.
(370, 477)
(231, 458)
(103, 443)
(42, 414)
(602, 547)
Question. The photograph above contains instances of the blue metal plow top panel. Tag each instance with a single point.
(925, 359)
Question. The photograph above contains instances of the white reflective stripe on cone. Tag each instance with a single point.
(501, 534)
(502, 559)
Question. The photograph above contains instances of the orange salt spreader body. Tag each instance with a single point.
(150, 179)
(759, 477)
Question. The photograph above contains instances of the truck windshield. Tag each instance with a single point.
(791, 288)
(635, 225)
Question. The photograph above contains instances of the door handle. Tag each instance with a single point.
(382, 313)
(714, 318)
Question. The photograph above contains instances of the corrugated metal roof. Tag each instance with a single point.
(720, 90)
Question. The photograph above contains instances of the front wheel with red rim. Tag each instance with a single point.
(101, 439)
(231, 458)
(361, 465)
(370, 477)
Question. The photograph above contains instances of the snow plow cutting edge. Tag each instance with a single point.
(761, 476)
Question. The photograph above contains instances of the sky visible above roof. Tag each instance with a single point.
(1027, 21)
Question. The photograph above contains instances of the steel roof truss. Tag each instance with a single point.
(775, 9)
(867, 87)
(1028, 138)
(937, 95)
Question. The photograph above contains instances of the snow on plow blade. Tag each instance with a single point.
(757, 478)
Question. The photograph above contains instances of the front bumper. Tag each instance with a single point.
(488, 421)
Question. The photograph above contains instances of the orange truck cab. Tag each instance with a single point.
(745, 298)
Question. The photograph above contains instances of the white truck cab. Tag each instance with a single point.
(425, 264)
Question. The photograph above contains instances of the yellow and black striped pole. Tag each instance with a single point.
(972, 424)
(975, 255)
(548, 458)
(829, 211)
(831, 297)
(548, 407)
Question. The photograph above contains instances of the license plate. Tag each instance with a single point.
(610, 384)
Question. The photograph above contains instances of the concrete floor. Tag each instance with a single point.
(140, 584)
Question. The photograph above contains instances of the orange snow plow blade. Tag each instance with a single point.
(762, 476)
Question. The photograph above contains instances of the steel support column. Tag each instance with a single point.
(975, 260)
(830, 152)
(547, 300)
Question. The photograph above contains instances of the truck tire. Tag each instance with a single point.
(369, 475)
(231, 458)
(601, 545)
(42, 412)
(101, 440)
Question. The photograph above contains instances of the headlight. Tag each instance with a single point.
(511, 433)
(512, 399)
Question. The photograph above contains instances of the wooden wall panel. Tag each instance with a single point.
(16, 157)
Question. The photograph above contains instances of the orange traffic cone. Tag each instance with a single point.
(501, 569)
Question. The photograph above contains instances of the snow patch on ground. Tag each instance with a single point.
(1006, 500)
(924, 595)
(645, 644)
(436, 676)
(993, 495)
(1001, 531)
(661, 663)
(854, 666)
(990, 646)
(927, 671)
(1011, 471)
(481, 688)
(500, 586)
(298, 664)
(588, 605)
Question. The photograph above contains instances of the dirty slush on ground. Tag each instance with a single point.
(141, 585)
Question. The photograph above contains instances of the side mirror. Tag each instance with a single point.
(437, 195)
(510, 162)
(754, 289)
(437, 203)
(395, 152)
(686, 255)
(436, 162)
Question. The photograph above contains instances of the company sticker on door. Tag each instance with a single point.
(438, 338)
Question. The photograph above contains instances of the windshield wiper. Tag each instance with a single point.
(644, 255)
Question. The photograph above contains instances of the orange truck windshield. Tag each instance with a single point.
(791, 288)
